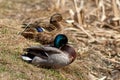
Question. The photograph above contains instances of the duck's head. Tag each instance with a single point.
(56, 18)
(60, 42)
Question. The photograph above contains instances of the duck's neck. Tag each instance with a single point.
(70, 51)
(57, 25)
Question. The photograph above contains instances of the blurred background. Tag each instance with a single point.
(92, 26)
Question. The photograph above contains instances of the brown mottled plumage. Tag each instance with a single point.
(42, 37)
(53, 28)
(48, 25)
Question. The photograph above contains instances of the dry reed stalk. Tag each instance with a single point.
(89, 35)
(97, 4)
(118, 3)
(79, 13)
(115, 9)
(71, 13)
(63, 4)
(102, 8)
(60, 4)
(116, 12)
(80, 19)
(57, 5)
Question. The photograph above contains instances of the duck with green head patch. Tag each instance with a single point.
(57, 56)
(60, 41)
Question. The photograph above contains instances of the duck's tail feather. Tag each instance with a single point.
(27, 57)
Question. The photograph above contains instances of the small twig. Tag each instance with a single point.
(107, 59)
(76, 24)
(24, 29)
(110, 26)
(71, 29)
(27, 26)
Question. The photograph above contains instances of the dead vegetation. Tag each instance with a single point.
(93, 24)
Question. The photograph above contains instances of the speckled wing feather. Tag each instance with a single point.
(41, 37)
(45, 38)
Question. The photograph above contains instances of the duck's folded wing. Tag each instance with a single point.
(43, 50)
(51, 50)
(37, 52)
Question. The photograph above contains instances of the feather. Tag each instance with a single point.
(44, 37)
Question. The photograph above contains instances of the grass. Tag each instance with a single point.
(90, 58)
(12, 67)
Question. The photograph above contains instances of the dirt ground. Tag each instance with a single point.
(97, 44)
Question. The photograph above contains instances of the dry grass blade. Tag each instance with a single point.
(118, 3)
(63, 4)
(57, 5)
(96, 60)
(115, 10)
(80, 27)
(71, 13)
(101, 4)
(24, 29)
(78, 11)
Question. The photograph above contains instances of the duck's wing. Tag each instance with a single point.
(51, 50)
(42, 51)
(47, 26)
(36, 52)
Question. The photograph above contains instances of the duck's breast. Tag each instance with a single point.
(59, 59)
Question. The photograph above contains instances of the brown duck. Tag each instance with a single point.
(37, 33)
